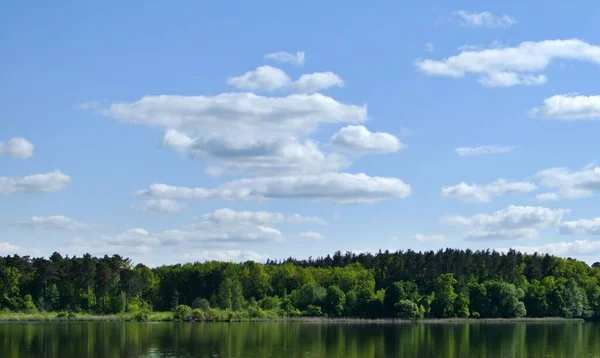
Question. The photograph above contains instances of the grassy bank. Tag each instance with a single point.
(6, 316)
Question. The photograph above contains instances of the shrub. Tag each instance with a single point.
(182, 313)
(211, 314)
(407, 309)
(201, 303)
(313, 311)
(198, 315)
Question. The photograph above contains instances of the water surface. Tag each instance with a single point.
(124, 339)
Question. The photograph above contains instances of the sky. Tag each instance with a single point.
(190, 131)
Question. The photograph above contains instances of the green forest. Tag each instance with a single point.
(403, 284)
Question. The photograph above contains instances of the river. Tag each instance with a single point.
(128, 339)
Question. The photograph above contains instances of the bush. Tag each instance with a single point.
(211, 315)
(269, 303)
(182, 313)
(256, 312)
(406, 309)
(201, 303)
(313, 311)
(198, 315)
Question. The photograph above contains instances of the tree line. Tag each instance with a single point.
(402, 284)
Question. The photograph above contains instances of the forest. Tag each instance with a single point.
(403, 284)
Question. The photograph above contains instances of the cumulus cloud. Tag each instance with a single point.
(573, 248)
(244, 131)
(485, 193)
(59, 222)
(226, 216)
(483, 19)
(359, 139)
(428, 238)
(37, 183)
(258, 155)
(225, 255)
(570, 184)
(267, 78)
(17, 148)
(263, 78)
(581, 227)
(311, 236)
(514, 222)
(238, 114)
(509, 66)
(161, 206)
(484, 150)
(286, 57)
(315, 82)
(7, 248)
(509, 79)
(336, 187)
(569, 107)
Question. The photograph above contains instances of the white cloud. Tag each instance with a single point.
(17, 148)
(513, 222)
(258, 155)
(484, 19)
(87, 105)
(60, 222)
(337, 187)
(243, 115)
(428, 238)
(263, 78)
(429, 47)
(569, 107)
(286, 57)
(359, 139)
(573, 248)
(225, 255)
(161, 206)
(311, 236)
(267, 78)
(246, 132)
(484, 150)
(214, 171)
(581, 227)
(37, 183)
(315, 82)
(509, 79)
(570, 184)
(7, 248)
(484, 193)
(511, 65)
(226, 216)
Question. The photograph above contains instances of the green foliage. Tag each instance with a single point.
(201, 303)
(313, 311)
(334, 301)
(407, 309)
(28, 305)
(309, 294)
(230, 294)
(182, 313)
(198, 315)
(504, 300)
(443, 304)
(447, 283)
(461, 305)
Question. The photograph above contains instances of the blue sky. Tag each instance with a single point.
(194, 131)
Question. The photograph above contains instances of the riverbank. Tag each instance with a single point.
(168, 317)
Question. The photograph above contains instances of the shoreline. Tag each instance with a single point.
(167, 317)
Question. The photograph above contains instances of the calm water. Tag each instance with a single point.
(298, 340)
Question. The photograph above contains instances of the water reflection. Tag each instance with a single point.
(298, 340)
